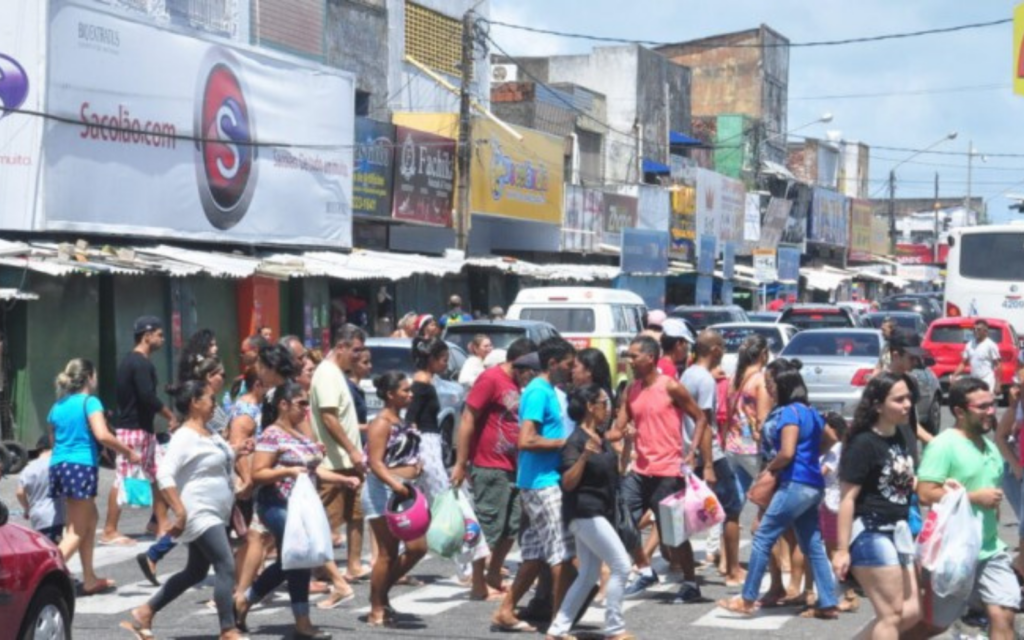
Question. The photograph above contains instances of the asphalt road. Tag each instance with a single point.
(439, 609)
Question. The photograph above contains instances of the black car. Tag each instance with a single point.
(818, 316)
(501, 332)
(905, 320)
(923, 303)
(700, 318)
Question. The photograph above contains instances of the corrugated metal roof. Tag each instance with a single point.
(218, 265)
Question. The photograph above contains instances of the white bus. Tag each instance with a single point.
(985, 273)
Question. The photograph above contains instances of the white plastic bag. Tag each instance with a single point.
(949, 545)
(307, 534)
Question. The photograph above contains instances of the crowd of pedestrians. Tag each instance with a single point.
(552, 457)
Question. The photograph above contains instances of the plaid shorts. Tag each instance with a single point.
(145, 444)
(544, 536)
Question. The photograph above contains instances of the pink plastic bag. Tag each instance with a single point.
(701, 507)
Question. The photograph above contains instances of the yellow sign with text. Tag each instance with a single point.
(521, 179)
(1018, 54)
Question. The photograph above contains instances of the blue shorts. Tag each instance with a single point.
(727, 488)
(877, 549)
(74, 481)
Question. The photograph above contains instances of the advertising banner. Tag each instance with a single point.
(1018, 49)
(860, 230)
(796, 225)
(734, 205)
(706, 257)
(653, 208)
(582, 219)
(619, 214)
(683, 224)
(644, 251)
(729, 260)
(789, 264)
(727, 292)
(372, 176)
(705, 287)
(752, 218)
(22, 73)
(182, 137)
(829, 218)
(775, 220)
(709, 206)
(764, 265)
(880, 245)
(920, 253)
(424, 177)
(517, 179)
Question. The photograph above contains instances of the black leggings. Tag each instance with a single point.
(211, 548)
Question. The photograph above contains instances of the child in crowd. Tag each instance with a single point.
(832, 449)
(45, 513)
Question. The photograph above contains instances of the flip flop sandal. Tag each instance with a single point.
(820, 614)
(520, 627)
(101, 586)
(365, 575)
(335, 600)
(734, 605)
(119, 541)
(147, 570)
(135, 627)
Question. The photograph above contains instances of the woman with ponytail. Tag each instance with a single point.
(79, 429)
(750, 405)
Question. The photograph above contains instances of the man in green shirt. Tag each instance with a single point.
(964, 456)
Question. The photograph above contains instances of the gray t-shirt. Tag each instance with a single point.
(43, 510)
(701, 385)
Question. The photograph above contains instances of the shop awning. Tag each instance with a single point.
(17, 294)
(777, 170)
(674, 137)
(564, 272)
(653, 166)
(824, 279)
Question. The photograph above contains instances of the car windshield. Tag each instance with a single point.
(391, 359)
(857, 345)
(951, 334)
(903, 322)
(816, 318)
(703, 318)
(501, 337)
(565, 319)
(734, 337)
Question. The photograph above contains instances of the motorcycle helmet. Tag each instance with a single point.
(408, 518)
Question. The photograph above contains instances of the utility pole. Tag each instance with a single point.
(935, 242)
(970, 167)
(892, 210)
(465, 156)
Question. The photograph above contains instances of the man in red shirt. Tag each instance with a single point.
(487, 448)
(675, 340)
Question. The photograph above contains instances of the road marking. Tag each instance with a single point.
(127, 596)
(106, 555)
(720, 618)
(430, 600)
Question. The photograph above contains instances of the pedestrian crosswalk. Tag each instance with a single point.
(431, 600)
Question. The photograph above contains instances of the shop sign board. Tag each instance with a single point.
(583, 218)
(228, 143)
(683, 224)
(861, 215)
(764, 266)
(644, 251)
(789, 264)
(619, 213)
(829, 218)
(373, 170)
(424, 177)
(775, 220)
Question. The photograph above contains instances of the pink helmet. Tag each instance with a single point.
(408, 518)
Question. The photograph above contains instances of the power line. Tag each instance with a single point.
(910, 92)
(949, 153)
(720, 45)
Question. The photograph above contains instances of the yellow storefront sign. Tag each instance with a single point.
(1018, 44)
(510, 178)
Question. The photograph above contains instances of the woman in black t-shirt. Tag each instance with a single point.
(876, 474)
(590, 478)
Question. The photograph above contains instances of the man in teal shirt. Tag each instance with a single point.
(964, 456)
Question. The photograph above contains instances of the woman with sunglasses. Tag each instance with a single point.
(283, 453)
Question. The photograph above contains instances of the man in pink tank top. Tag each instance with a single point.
(651, 421)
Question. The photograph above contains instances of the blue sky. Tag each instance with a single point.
(992, 116)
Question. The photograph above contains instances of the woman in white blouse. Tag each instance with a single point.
(479, 348)
(195, 479)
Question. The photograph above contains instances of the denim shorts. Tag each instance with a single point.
(877, 549)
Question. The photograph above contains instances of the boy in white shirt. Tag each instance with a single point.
(45, 513)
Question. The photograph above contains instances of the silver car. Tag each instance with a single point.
(734, 333)
(395, 354)
(837, 365)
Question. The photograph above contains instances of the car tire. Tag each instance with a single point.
(5, 461)
(448, 442)
(17, 456)
(934, 420)
(49, 616)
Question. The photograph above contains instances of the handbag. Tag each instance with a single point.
(136, 491)
(624, 525)
(763, 488)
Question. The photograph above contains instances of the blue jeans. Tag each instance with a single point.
(793, 505)
(273, 517)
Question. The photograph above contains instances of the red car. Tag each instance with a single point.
(947, 337)
(37, 594)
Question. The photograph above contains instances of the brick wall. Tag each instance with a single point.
(294, 25)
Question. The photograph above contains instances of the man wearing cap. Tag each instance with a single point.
(904, 353)
(455, 313)
(137, 406)
(676, 340)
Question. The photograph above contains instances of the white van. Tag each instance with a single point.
(605, 319)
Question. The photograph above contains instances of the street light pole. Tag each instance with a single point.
(892, 184)
(935, 240)
(970, 167)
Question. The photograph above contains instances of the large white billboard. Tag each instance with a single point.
(168, 135)
(22, 84)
